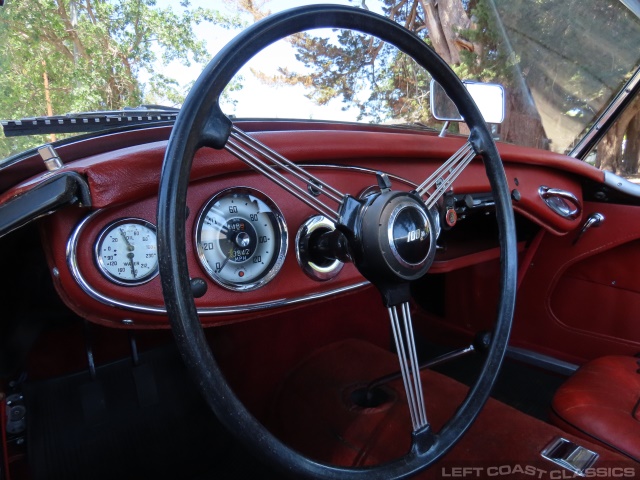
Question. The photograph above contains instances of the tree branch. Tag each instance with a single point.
(71, 30)
(90, 12)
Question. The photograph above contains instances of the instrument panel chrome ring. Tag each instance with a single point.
(312, 269)
(279, 257)
(93, 293)
(98, 257)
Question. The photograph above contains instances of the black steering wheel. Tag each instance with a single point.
(390, 256)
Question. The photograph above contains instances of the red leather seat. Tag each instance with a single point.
(600, 403)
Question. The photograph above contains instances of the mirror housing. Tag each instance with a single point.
(489, 97)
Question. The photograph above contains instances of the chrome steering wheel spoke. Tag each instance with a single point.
(441, 180)
(409, 366)
(271, 164)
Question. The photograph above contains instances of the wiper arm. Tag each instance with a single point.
(90, 121)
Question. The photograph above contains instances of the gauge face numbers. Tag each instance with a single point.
(241, 239)
(126, 251)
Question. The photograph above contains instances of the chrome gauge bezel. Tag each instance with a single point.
(314, 270)
(100, 262)
(280, 244)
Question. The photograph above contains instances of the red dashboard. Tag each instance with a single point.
(124, 184)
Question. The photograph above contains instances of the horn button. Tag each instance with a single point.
(398, 238)
(408, 234)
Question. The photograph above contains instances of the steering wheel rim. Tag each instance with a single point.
(200, 123)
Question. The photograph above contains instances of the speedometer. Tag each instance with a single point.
(241, 238)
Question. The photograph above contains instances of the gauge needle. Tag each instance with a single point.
(124, 237)
(226, 259)
(130, 257)
(130, 254)
(224, 230)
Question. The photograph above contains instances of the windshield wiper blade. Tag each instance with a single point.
(414, 126)
(142, 110)
(90, 121)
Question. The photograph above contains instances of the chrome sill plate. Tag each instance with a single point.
(569, 455)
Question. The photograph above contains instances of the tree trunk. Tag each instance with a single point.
(444, 18)
(47, 95)
(609, 148)
(609, 153)
(522, 125)
(631, 155)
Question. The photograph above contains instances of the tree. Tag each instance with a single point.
(548, 55)
(609, 155)
(463, 33)
(62, 56)
(631, 158)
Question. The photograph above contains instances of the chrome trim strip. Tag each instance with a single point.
(409, 367)
(270, 172)
(284, 163)
(581, 147)
(72, 263)
(451, 168)
(621, 185)
(633, 5)
(404, 368)
(542, 361)
(351, 168)
(415, 366)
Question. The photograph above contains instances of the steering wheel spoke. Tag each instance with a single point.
(441, 180)
(409, 366)
(271, 164)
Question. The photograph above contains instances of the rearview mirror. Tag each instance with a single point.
(489, 98)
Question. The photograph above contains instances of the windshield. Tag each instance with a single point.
(561, 61)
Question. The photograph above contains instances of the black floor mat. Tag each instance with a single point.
(138, 422)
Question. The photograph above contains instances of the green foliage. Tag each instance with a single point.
(92, 53)
(364, 72)
(93, 57)
(380, 80)
(560, 61)
(490, 62)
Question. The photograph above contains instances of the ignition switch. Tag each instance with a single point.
(450, 214)
(451, 217)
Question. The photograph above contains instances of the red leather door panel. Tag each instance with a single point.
(581, 301)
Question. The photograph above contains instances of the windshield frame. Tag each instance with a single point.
(607, 118)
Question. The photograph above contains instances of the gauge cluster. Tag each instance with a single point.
(247, 244)
(240, 238)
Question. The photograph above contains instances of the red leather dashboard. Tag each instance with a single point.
(124, 183)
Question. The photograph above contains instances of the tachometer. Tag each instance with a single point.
(126, 251)
(241, 238)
